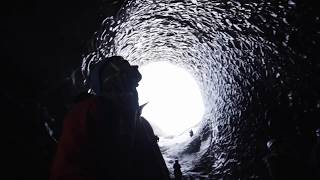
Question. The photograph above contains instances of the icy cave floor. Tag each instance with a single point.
(176, 148)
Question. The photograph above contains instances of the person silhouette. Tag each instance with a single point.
(177, 170)
(191, 133)
(103, 135)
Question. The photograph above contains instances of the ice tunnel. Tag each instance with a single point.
(254, 61)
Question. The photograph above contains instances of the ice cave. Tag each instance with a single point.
(245, 59)
(257, 67)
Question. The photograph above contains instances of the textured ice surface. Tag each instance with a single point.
(247, 56)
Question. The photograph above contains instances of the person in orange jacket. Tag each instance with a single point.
(103, 136)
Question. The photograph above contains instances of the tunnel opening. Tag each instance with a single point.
(174, 101)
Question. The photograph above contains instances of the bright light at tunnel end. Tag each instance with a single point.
(174, 99)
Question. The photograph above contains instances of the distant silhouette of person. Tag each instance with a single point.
(191, 133)
(177, 170)
(104, 136)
